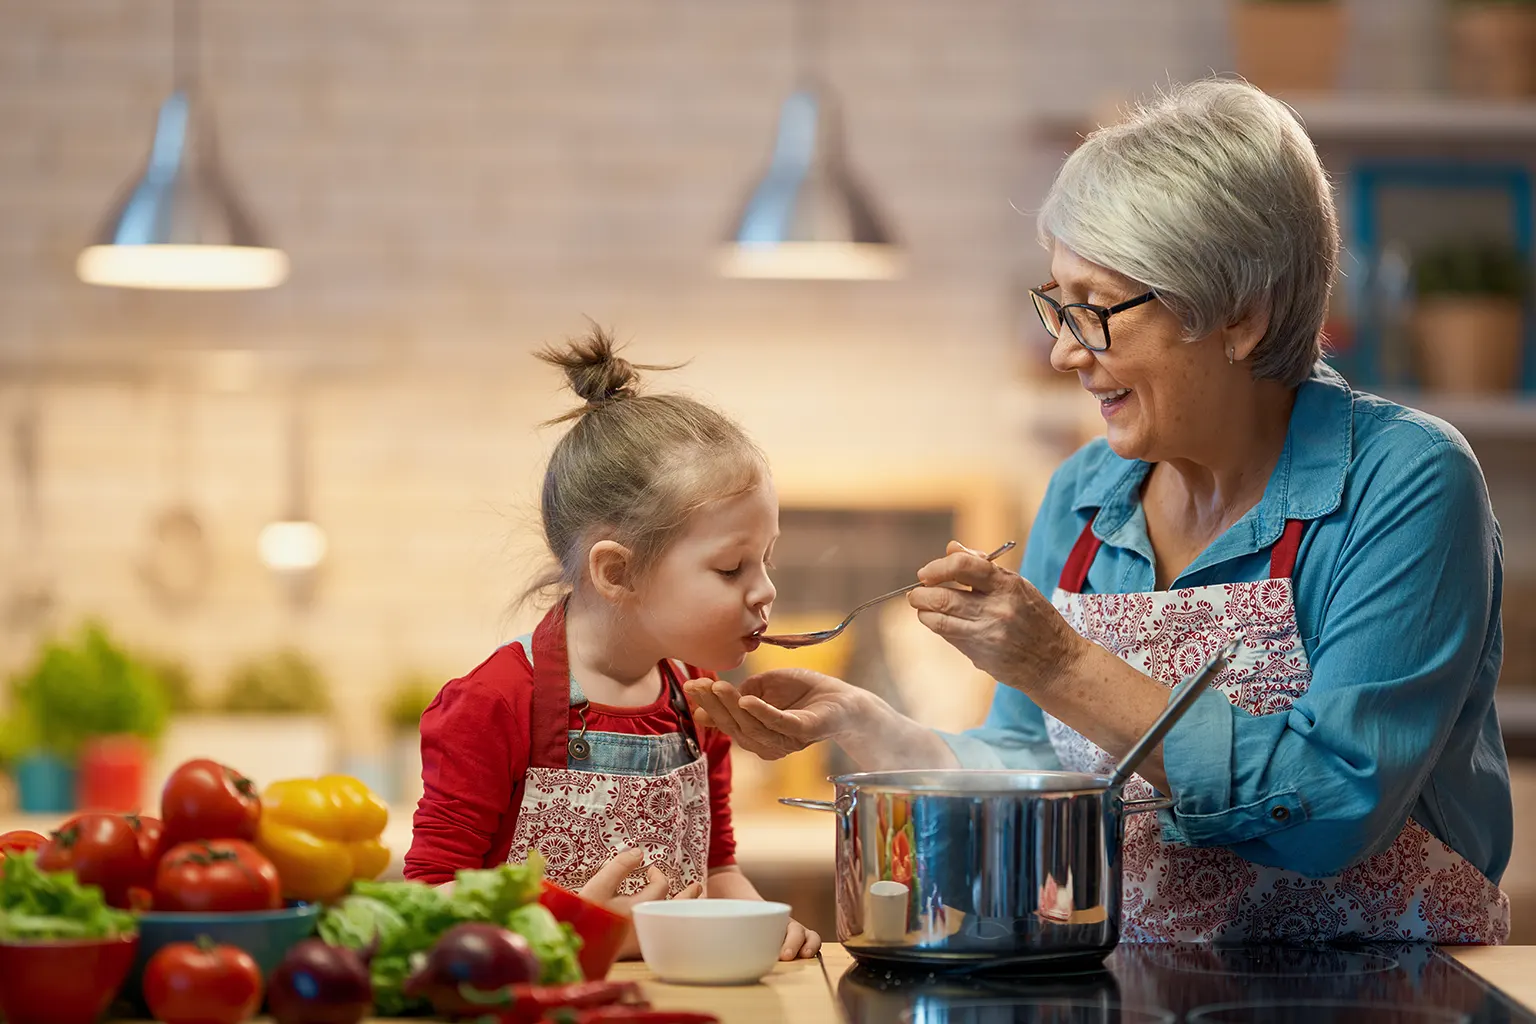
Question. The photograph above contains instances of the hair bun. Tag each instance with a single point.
(595, 372)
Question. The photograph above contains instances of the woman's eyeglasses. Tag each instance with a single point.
(1089, 323)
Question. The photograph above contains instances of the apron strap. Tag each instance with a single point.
(1074, 575)
(550, 715)
(1282, 557)
(551, 711)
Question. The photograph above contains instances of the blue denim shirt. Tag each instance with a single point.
(1397, 587)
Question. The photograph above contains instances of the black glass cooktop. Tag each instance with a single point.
(1172, 984)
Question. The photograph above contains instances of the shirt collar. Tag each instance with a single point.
(1308, 481)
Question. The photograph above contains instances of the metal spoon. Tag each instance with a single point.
(1181, 701)
(821, 636)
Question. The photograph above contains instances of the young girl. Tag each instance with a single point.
(577, 740)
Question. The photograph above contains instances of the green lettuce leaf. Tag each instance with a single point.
(37, 904)
(493, 893)
(406, 918)
(555, 944)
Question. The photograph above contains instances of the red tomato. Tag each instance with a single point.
(187, 983)
(150, 832)
(102, 850)
(218, 875)
(205, 800)
(21, 839)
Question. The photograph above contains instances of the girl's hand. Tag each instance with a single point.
(603, 889)
(800, 943)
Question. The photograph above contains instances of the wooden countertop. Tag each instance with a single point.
(802, 992)
(1511, 969)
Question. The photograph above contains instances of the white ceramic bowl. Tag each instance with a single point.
(711, 942)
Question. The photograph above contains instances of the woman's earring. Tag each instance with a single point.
(1230, 358)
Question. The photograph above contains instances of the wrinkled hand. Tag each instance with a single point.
(1002, 623)
(777, 712)
(603, 889)
(800, 944)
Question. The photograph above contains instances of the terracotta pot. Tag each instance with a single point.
(111, 775)
(1289, 47)
(1469, 344)
(1493, 50)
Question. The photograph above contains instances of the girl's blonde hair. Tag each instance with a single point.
(635, 466)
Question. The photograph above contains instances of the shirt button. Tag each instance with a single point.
(1280, 814)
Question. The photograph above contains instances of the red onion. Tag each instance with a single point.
(319, 984)
(470, 965)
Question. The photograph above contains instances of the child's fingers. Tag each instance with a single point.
(793, 940)
(604, 885)
(812, 944)
(693, 892)
(656, 886)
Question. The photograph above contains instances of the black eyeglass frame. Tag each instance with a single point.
(1102, 312)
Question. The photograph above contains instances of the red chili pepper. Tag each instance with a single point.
(532, 1003)
(643, 1015)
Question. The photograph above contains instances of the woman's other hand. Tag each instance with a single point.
(779, 711)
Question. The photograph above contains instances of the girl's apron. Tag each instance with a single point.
(1418, 889)
(579, 819)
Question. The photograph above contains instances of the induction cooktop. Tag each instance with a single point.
(1177, 984)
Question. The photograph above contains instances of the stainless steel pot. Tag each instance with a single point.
(958, 867)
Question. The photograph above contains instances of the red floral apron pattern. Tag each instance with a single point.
(578, 820)
(1418, 889)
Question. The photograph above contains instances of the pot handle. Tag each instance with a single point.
(1153, 803)
(843, 805)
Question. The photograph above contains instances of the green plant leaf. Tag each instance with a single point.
(88, 686)
(1471, 267)
(285, 681)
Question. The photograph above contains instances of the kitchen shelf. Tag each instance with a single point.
(1367, 117)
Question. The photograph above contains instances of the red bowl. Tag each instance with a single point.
(602, 931)
(67, 981)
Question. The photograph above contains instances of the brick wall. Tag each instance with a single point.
(457, 181)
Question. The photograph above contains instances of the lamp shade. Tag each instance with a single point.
(181, 225)
(809, 216)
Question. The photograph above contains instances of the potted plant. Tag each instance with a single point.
(88, 710)
(1289, 46)
(1469, 316)
(270, 721)
(402, 718)
(1493, 48)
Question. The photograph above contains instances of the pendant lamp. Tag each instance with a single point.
(809, 216)
(180, 225)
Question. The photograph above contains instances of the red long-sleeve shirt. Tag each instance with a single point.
(474, 758)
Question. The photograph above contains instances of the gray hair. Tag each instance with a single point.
(1213, 196)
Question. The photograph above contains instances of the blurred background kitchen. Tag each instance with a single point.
(264, 507)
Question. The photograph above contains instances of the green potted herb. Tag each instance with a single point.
(87, 705)
(1493, 48)
(1289, 46)
(402, 717)
(1469, 315)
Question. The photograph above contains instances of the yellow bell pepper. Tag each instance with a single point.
(321, 834)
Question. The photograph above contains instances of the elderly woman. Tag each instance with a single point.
(1346, 773)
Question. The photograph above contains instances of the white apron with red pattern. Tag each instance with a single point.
(579, 819)
(1418, 889)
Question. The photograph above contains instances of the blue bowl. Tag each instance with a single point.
(265, 934)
